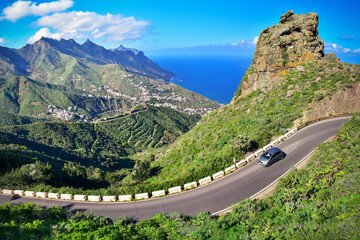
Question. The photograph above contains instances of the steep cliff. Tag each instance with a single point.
(281, 48)
(290, 56)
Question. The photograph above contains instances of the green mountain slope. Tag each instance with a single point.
(9, 119)
(154, 127)
(306, 85)
(26, 98)
(104, 146)
(321, 201)
(12, 63)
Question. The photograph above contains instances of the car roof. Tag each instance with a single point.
(273, 150)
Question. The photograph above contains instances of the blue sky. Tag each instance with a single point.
(156, 24)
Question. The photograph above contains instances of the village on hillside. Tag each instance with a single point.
(158, 97)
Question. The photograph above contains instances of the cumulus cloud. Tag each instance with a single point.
(44, 32)
(333, 47)
(246, 42)
(2, 40)
(21, 9)
(78, 24)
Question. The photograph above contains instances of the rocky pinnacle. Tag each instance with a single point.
(281, 48)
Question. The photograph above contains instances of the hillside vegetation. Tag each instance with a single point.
(321, 200)
(10, 119)
(24, 98)
(155, 127)
(250, 122)
(289, 82)
(69, 150)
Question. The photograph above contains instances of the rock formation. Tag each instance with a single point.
(281, 48)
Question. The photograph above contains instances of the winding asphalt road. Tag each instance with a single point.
(212, 197)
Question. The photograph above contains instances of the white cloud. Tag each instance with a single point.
(332, 47)
(44, 32)
(2, 40)
(21, 9)
(247, 42)
(90, 24)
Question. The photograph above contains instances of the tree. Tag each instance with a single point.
(141, 170)
(74, 170)
(95, 174)
(241, 144)
(37, 172)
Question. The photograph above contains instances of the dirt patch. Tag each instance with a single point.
(35, 103)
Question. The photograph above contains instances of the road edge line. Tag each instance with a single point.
(275, 181)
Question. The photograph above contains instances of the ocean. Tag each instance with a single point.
(216, 77)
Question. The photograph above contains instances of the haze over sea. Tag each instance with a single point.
(216, 77)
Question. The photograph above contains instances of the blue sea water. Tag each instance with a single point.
(216, 77)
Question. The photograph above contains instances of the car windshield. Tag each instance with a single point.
(267, 155)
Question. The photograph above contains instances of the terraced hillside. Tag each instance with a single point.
(103, 146)
(152, 128)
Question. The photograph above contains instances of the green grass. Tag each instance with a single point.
(320, 201)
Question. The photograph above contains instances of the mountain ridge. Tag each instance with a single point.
(134, 63)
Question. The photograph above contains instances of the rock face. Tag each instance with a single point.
(281, 48)
(346, 100)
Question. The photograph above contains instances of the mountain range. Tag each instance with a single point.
(31, 58)
(95, 81)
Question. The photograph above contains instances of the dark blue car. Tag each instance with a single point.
(271, 156)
